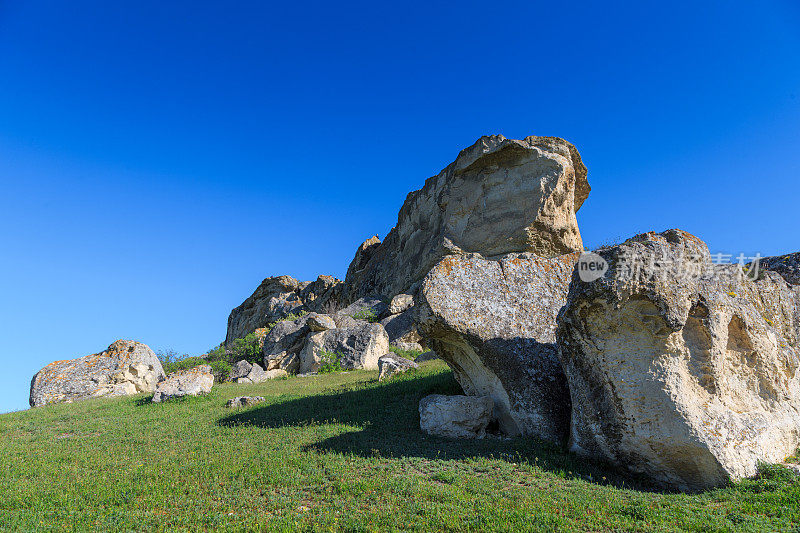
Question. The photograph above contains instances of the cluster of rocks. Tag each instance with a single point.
(660, 362)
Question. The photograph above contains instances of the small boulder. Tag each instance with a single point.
(400, 303)
(243, 401)
(125, 367)
(240, 370)
(391, 364)
(318, 322)
(244, 372)
(456, 417)
(191, 382)
(402, 329)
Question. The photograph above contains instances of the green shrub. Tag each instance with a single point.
(408, 354)
(366, 313)
(330, 362)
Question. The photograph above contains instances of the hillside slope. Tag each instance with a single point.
(336, 451)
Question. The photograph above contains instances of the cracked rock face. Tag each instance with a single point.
(494, 323)
(499, 196)
(688, 374)
(124, 368)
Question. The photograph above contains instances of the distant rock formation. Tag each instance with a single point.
(499, 196)
(680, 369)
(278, 297)
(126, 367)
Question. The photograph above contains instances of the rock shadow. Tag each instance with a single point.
(389, 420)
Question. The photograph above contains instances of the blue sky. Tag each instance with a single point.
(158, 161)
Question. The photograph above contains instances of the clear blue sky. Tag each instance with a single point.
(158, 161)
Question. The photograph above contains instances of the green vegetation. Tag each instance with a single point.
(366, 313)
(329, 362)
(408, 354)
(331, 452)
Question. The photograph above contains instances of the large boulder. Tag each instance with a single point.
(455, 417)
(357, 347)
(277, 298)
(499, 196)
(191, 382)
(125, 367)
(493, 322)
(680, 369)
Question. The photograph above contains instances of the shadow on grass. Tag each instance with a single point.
(389, 417)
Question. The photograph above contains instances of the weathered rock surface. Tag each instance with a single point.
(366, 308)
(455, 417)
(679, 369)
(317, 322)
(499, 196)
(358, 347)
(402, 330)
(243, 401)
(125, 367)
(244, 372)
(278, 297)
(283, 343)
(494, 323)
(430, 355)
(400, 303)
(191, 382)
(788, 266)
(391, 364)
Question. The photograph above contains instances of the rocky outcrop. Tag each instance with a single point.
(317, 322)
(455, 417)
(499, 196)
(280, 296)
(191, 382)
(679, 369)
(357, 347)
(125, 367)
(494, 323)
(788, 266)
(400, 303)
(283, 343)
(243, 401)
(391, 364)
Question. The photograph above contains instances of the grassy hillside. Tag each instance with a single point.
(337, 451)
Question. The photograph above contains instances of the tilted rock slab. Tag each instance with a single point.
(679, 369)
(391, 364)
(499, 196)
(278, 297)
(191, 382)
(125, 367)
(494, 323)
(455, 417)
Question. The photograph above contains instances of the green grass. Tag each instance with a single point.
(332, 452)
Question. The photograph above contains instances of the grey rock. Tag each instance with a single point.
(402, 328)
(679, 369)
(430, 355)
(243, 401)
(455, 417)
(400, 303)
(358, 347)
(192, 382)
(788, 266)
(283, 343)
(369, 308)
(499, 196)
(493, 322)
(317, 322)
(126, 367)
(391, 364)
(278, 297)
(240, 370)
